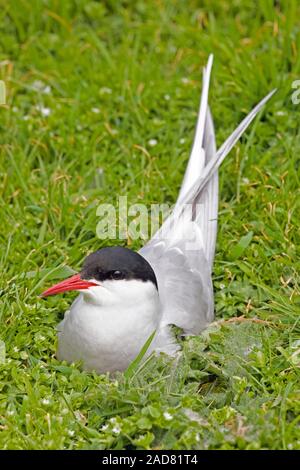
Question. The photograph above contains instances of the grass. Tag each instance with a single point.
(88, 85)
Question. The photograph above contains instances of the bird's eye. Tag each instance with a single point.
(117, 275)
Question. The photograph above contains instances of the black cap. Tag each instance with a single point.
(117, 263)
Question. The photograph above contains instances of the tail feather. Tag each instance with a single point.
(197, 158)
(223, 151)
(200, 183)
(206, 203)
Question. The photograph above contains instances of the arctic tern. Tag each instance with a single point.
(125, 296)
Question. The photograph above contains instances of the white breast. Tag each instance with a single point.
(108, 325)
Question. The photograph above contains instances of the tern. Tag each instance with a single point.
(125, 296)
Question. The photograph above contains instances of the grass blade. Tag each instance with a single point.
(135, 363)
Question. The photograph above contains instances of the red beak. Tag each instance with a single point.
(72, 283)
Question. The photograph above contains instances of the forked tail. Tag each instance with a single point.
(200, 183)
(182, 250)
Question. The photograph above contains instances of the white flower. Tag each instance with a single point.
(152, 142)
(105, 91)
(96, 110)
(168, 416)
(222, 286)
(185, 80)
(116, 429)
(44, 111)
(71, 433)
(40, 337)
(104, 427)
(182, 141)
(40, 86)
(45, 401)
(167, 97)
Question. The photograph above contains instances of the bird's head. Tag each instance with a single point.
(109, 276)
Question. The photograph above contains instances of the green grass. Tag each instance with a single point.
(138, 63)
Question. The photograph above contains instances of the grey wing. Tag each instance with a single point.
(182, 251)
(185, 291)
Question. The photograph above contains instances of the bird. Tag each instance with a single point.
(126, 297)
